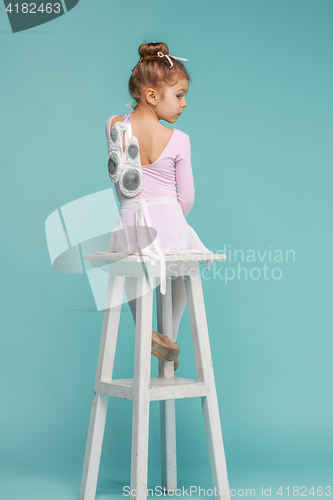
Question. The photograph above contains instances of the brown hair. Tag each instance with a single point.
(153, 70)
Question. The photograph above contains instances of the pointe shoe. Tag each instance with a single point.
(163, 348)
(116, 156)
(131, 180)
(176, 363)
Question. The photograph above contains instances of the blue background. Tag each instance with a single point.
(259, 117)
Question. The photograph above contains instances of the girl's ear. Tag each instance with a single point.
(151, 96)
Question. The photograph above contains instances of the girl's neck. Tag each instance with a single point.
(143, 112)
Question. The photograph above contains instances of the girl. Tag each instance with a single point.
(159, 84)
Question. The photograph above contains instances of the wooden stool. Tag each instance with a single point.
(164, 388)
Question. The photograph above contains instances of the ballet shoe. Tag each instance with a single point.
(131, 180)
(163, 348)
(176, 362)
(116, 157)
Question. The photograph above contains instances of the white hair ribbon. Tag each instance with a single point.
(160, 54)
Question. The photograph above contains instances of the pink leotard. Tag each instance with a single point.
(160, 177)
(170, 175)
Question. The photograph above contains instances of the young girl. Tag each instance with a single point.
(159, 83)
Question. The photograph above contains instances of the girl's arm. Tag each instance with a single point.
(184, 177)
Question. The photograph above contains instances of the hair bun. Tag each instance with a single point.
(153, 71)
(151, 49)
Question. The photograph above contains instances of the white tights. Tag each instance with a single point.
(178, 300)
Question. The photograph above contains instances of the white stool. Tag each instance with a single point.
(164, 388)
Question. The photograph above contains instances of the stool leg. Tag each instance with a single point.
(167, 407)
(204, 364)
(93, 447)
(142, 362)
(100, 403)
(107, 349)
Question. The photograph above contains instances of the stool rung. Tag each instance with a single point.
(175, 388)
(160, 388)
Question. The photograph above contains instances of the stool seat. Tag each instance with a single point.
(146, 258)
(142, 388)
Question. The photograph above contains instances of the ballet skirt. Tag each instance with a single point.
(154, 222)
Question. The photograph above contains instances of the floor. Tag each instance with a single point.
(256, 482)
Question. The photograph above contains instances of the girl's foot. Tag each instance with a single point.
(163, 348)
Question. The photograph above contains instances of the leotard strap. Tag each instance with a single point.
(128, 129)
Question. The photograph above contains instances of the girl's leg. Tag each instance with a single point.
(178, 300)
(178, 303)
(162, 347)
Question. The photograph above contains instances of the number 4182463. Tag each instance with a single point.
(31, 8)
(303, 491)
